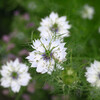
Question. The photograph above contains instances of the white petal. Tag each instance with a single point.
(15, 86)
(24, 79)
(5, 82)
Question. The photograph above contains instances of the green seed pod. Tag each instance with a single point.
(69, 76)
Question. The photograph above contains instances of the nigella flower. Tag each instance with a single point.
(14, 75)
(93, 74)
(87, 12)
(54, 26)
(46, 55)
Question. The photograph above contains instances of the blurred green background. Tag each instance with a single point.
(20, 18)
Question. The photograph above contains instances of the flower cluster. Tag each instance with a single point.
(48, 55)
(49, 52)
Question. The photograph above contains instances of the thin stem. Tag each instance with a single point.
(63, 88)
(82, 58)
(19, 94)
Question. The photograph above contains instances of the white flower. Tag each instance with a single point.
(54, 26)
(46, 55)
(87, 12)
(99, 30)
(32, 5)
(93, 74)
(14, 75)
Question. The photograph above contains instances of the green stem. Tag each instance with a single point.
(82, 58)
(19, 94)
(63, 88)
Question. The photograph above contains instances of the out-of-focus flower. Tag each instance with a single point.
(26, 17)
(54, 26)
(46, 87)
(47, 53)
(31, 87)
(10, 46)
(11, 57)
(26, 97)
(14, 75)
(99, 30)
(6, 38)
(5, 91)
(8, 58)
(32, 5)
(14, 33)
(87, 12)
(20, 35)
(30, 25)
(93, 74)
(54, 98)
(23, 52)
(16, 13)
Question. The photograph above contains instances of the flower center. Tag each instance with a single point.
(47, 55)
(14, 75)
(86, 11)
(54, 28)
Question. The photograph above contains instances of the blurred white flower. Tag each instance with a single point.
(99, 30)
(93, 74)
(32, 5)
(47, 53)
(20, 35)
(87, 12)
(54, 26)
(14, 75)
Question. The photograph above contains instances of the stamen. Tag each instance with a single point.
(14, 75)
(54, 28)
(47, 56)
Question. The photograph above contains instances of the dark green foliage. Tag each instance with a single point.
(83, 45)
